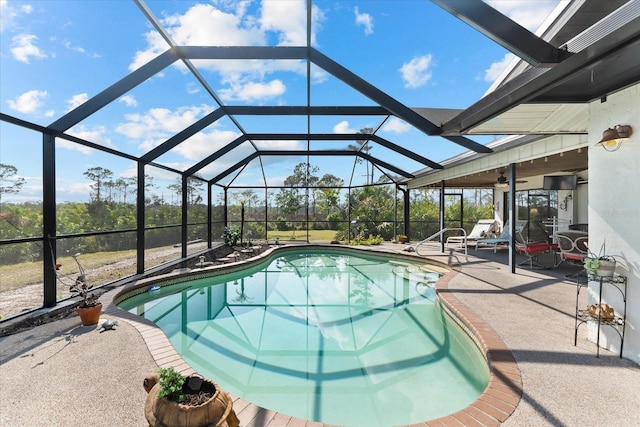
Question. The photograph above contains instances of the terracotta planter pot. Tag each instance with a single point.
(162, 412)
(90, 315)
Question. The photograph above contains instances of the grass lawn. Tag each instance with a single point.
(17, 275)
(314, 235)
(14, 276)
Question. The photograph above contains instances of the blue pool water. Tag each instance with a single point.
(331, 335)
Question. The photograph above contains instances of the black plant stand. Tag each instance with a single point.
(583, 316)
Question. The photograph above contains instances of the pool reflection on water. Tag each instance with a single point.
(328, 336)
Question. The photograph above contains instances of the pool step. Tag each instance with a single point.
(416, 273)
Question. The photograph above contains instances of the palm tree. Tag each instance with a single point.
(365, 148)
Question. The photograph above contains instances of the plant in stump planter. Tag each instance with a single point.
(176, 401)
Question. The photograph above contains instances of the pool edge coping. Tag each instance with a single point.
(494, 406)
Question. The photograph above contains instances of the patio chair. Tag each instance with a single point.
(503, 239)
(572, 245)
(482, 228)
(531, 250)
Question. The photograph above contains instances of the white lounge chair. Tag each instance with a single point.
(479, 231)
(504, 238)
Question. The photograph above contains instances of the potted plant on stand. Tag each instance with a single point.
(602, 265)
(90, 308)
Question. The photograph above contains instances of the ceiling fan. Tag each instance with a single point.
(503, 182)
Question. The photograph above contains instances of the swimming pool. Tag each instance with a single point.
(333, 336)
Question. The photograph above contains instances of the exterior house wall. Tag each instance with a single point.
(614, 211)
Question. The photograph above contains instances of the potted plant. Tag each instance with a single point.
(177, 400)
(602, 265)
(402, 238)
(90, 308)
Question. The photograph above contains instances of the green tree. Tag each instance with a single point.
(249, 197)
(176, 190)
(304, 175)
(123, 184)
(327, 195)
(9, 182)
(372, 209)
(364, 147)
(194, 187)
(288, 201)
(99, 176)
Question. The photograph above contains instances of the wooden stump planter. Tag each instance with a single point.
(90, 315)
(216, 411)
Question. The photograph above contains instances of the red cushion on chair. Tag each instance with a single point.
(534, 247)
(572, 257)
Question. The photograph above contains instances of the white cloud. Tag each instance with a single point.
(9, 13)
(396, 125)
(493, 72)
(203, 144)
(23, 48)
(128, 100)
(253, 91)
(201, 25)
(291, 31)
(71, 189)
(279, 145)
(365, 20)
(226, 23)
(193, 88)
(159, 124)
(96, 135)
(76, 100)
(28, 102)
(528, 13)
(343, 127)
(69, 46)
(416, 73)
(156, 45)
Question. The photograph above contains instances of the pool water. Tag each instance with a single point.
(330, 336)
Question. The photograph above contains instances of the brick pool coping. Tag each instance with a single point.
(498, 401)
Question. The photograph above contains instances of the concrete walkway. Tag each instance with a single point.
(563, 384)
(63, 374)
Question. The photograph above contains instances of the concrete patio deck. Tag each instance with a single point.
(63, 374)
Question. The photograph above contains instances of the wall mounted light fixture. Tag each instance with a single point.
(613, 138)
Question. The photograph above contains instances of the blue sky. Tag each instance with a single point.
(57, 54)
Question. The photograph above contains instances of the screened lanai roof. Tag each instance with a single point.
(239, 92)
(544, 102)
